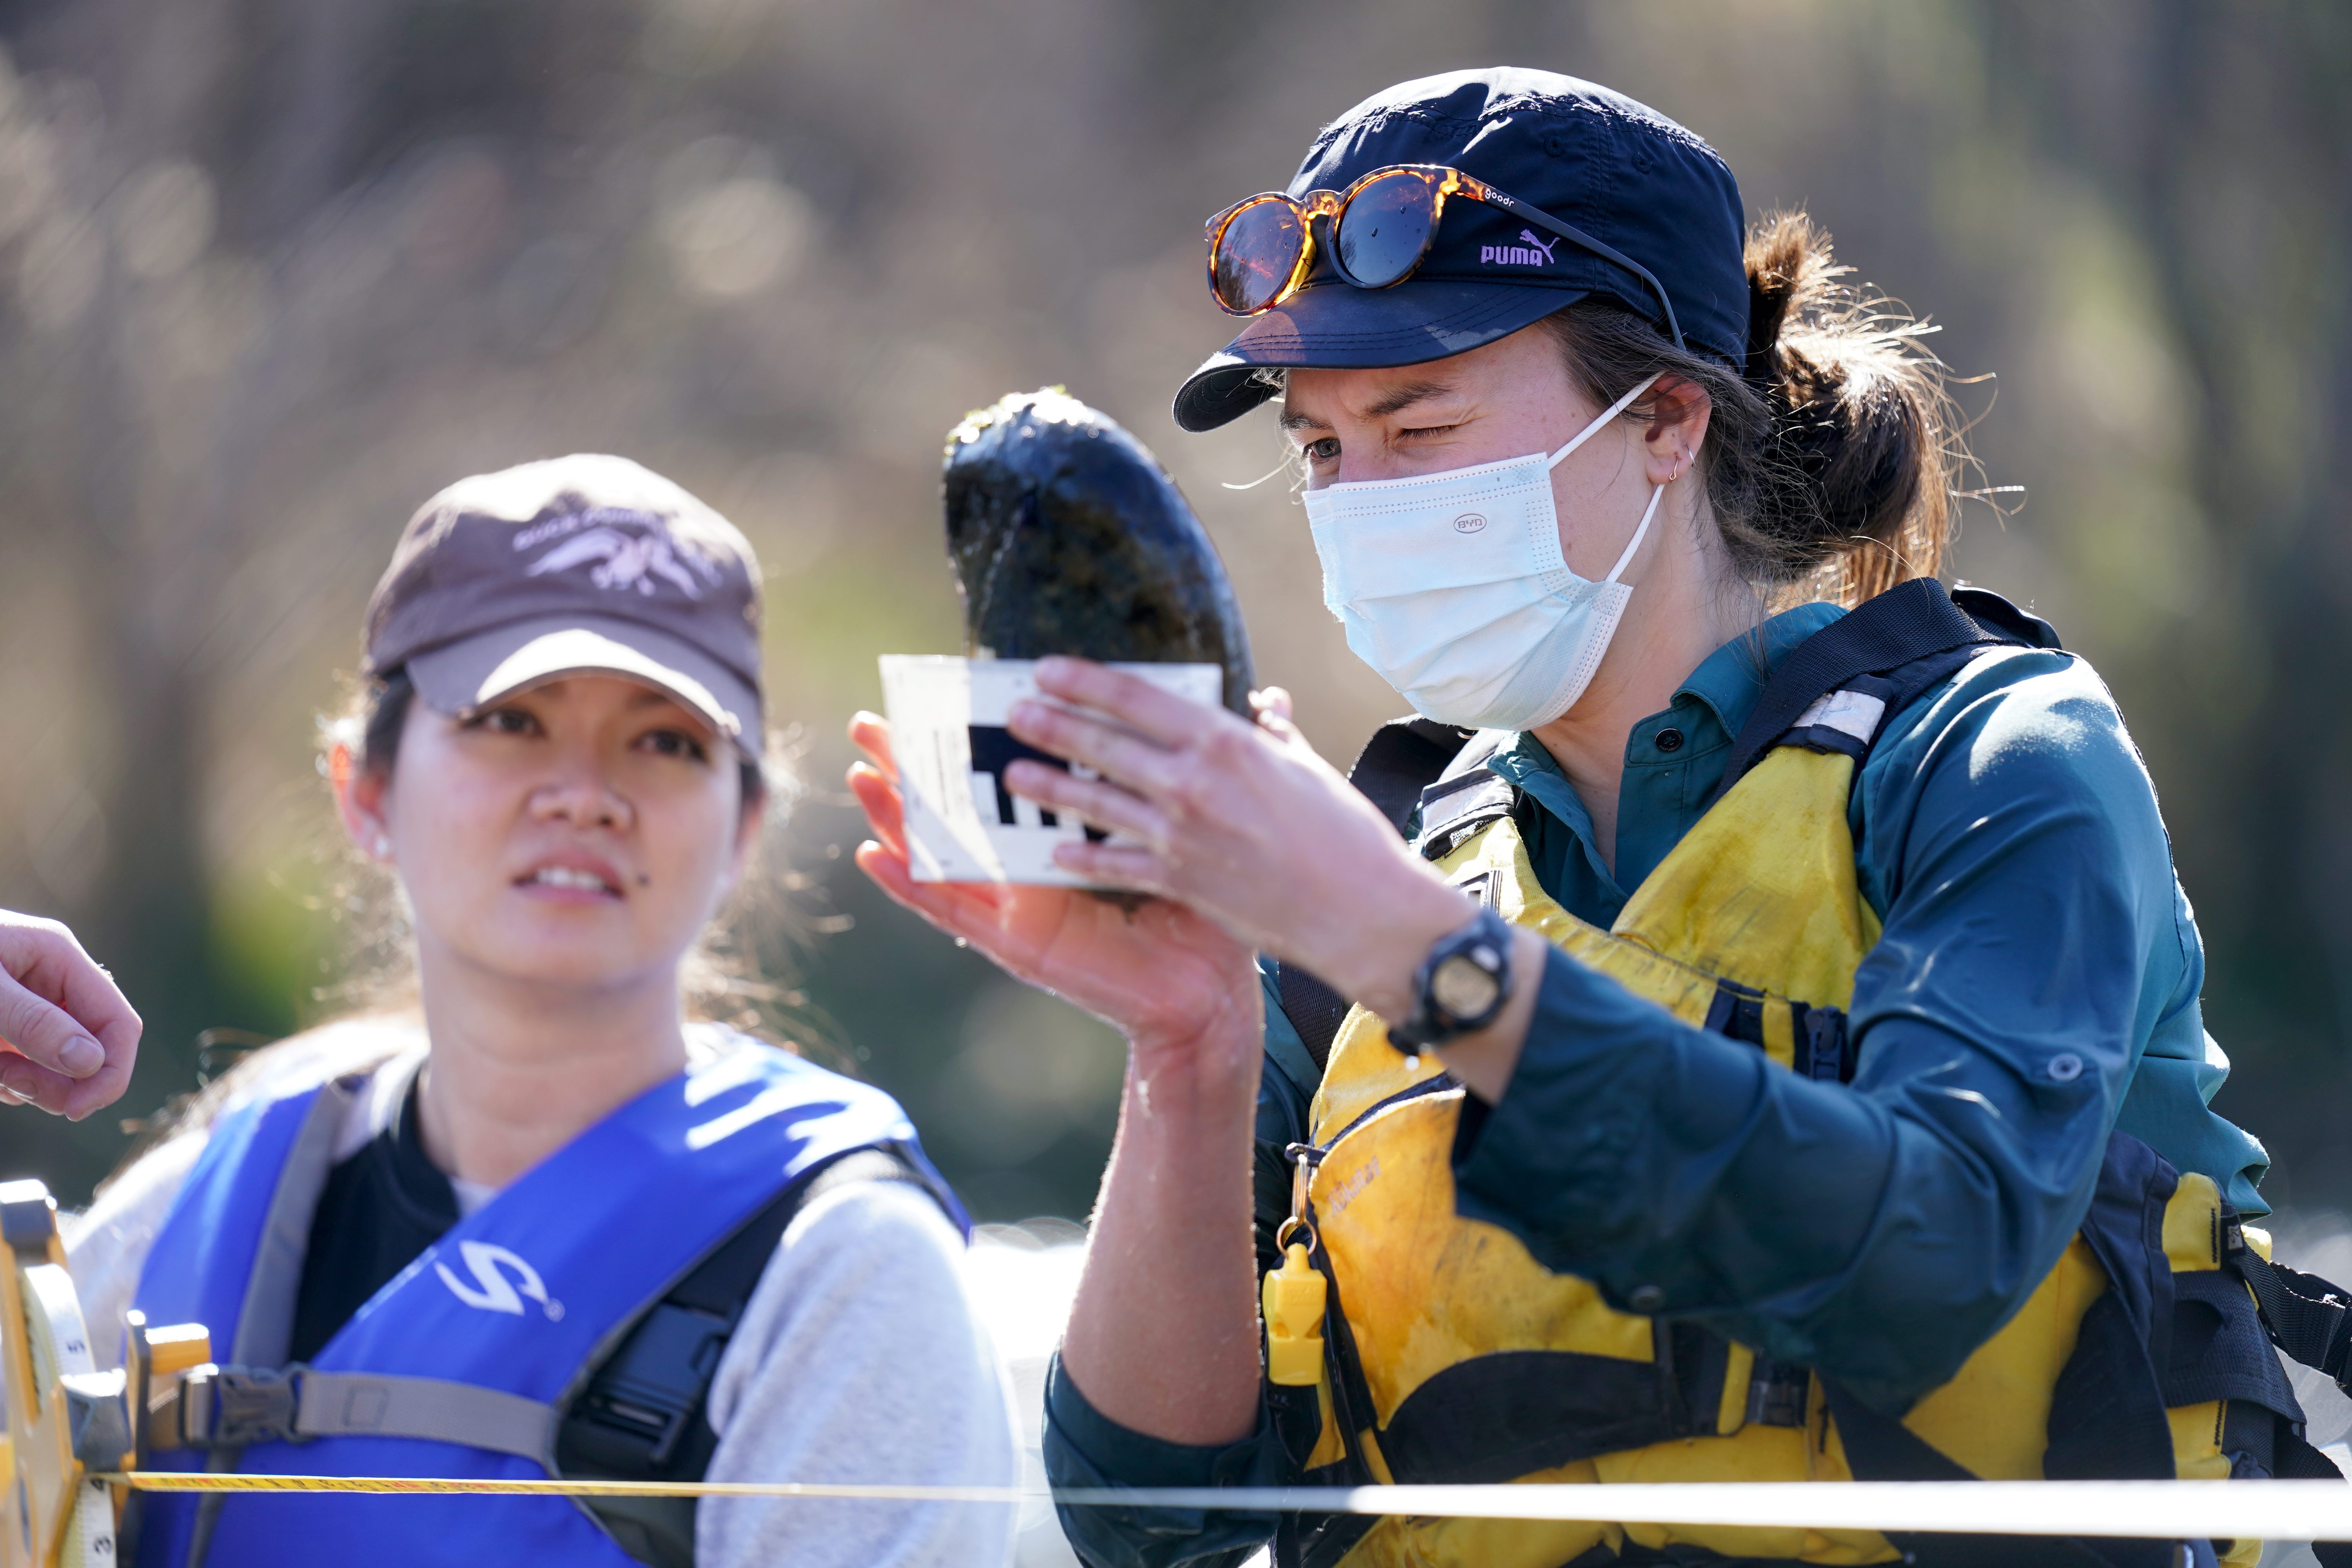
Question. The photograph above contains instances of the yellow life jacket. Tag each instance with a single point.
(1451, 1355)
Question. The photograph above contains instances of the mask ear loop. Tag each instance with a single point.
(1585, 434)
(1614, 409)
(1635, 543)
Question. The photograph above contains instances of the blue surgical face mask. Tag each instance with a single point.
(1452, 586)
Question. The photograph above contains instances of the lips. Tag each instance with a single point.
(575, 877)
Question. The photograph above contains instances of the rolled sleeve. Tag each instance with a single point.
(1084, 1448)
(1879, 1231)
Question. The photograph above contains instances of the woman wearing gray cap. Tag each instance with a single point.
(1744, 1027)
(552, 1225)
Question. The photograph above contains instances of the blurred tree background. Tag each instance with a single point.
(273, 271)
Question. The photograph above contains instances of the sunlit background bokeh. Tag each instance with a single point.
(273, 271)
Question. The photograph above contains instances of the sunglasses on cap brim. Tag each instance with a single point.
(1262, 250)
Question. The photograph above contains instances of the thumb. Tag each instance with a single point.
(45, 1032)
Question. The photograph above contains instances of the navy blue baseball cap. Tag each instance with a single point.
(1620, 172)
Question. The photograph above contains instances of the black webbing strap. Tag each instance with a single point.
(1402, 758)
(2017, 626)
(2308, 1318)
(1909, 622)
(2297, 1460)
(1314, 1010)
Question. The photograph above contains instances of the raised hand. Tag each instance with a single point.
(1159, 972)
(1170, 1265)
(68, 1038)
(1241, 821)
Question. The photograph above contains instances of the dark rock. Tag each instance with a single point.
(1069, 536)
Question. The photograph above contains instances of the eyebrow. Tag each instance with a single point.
(1395, 401)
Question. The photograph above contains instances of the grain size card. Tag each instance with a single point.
(947, 727)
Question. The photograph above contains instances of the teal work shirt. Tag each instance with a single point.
(2007, 837)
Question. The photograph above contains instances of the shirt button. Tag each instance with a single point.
(2065, 1068)
(1646, 1298)
(1670, 740)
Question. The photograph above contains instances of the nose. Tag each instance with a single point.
(580, 794)
(1370, 454)
(1373, 464)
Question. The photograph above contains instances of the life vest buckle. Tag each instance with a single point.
(238, 1406)
(1823, 1044)
(1778, 1394)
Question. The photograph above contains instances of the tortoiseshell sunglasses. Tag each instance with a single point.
(1381, 226)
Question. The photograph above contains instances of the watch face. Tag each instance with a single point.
(1463, 989)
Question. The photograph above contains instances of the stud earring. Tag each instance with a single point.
(383, 847)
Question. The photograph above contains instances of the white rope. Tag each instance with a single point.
(2155, 1511)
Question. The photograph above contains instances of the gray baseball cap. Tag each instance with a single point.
(578, 564)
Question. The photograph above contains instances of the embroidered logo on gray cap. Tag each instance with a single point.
(630, 549)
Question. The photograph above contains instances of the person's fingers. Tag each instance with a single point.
(1114, 866)
(34, 1084)
(68, 1038)
(1139, 763)
(888, 865)
(1271, 701)
(37, 1027)
(1163, 716)
(90, 995)
(71, 1037)
(1096, 801)
(871, 732)
(967, 910)
(28, 1081)
(886, 809)
(104, 1087)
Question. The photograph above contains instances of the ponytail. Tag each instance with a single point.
(1830, 454)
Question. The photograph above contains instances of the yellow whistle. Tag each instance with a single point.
(1293, 1321)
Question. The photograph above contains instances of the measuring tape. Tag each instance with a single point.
(69, 1462)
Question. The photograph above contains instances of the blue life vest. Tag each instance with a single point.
(519, 1297)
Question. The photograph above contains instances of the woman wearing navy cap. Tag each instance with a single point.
(1744, 1028)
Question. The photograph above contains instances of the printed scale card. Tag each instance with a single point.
(947, 726)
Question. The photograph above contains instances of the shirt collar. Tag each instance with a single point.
(1731, 679)
(1729, 682)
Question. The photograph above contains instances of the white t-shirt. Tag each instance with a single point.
(859, 1357)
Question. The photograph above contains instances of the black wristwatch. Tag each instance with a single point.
(1460, 987)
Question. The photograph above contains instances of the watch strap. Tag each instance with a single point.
(1431, 1024)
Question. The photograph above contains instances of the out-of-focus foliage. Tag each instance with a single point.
(272, 272)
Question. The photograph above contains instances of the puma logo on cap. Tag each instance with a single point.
(1535, 253)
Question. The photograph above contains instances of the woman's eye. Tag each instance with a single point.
(503, 722)
(1326, 450)
(676, 743)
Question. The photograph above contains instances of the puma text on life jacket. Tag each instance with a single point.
(487, 1355)
(1451, 1355)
